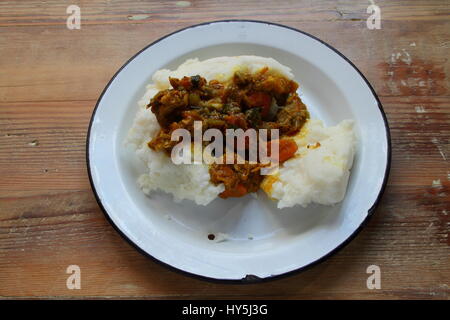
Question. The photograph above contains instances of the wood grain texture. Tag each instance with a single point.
(50, 78)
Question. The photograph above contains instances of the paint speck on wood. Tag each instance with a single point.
(138, 17)
(34, 143)
(420, 109)
(183, 4)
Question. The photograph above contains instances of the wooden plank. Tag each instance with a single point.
(103, 11)
(42, 146)
(394, 59)
(44, 228)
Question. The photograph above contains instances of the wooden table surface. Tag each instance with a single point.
(51, 77)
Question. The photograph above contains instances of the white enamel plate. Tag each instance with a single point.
(253, 239)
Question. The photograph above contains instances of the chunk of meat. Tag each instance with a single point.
(168, 105)
(291, 118)
(238, 179)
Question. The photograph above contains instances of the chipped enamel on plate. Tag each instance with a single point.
(254, 239)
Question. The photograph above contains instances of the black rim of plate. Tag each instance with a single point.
(249, 278)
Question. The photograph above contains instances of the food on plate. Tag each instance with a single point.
(308, 162)
(320, 169)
